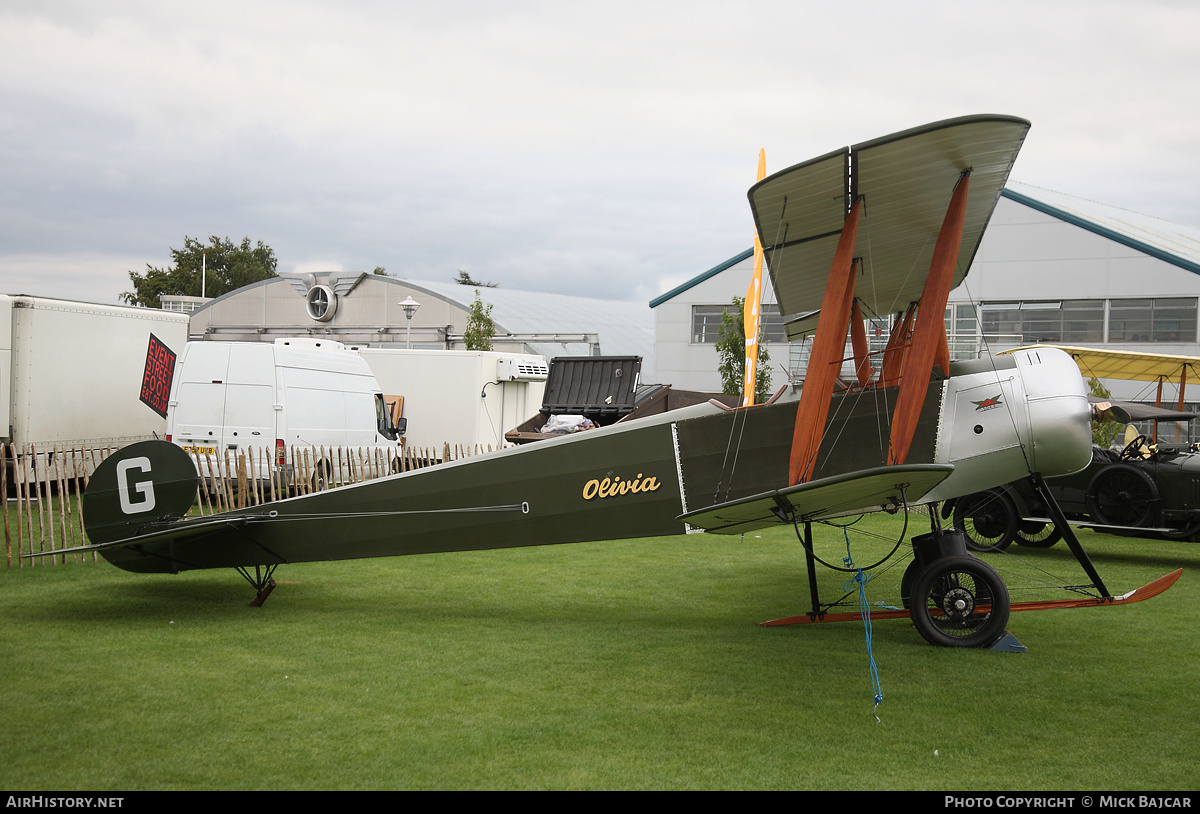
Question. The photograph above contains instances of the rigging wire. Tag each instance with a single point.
(859, 393)
(781, 228)
(881, 561)
(991, 358)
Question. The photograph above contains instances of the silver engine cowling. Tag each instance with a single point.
(1006, 416)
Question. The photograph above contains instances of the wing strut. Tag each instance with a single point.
(858, 340)
(897, 348)
(929, 334)
(825, 361)
(1182, 391)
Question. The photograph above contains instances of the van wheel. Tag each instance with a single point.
(320, 476)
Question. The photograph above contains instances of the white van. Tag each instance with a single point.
(295, 393)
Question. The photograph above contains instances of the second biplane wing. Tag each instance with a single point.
(1110, 363)
(870, 490)
(904, 180)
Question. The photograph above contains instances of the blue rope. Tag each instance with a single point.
(861, 578)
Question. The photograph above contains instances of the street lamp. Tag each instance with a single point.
(410, 307)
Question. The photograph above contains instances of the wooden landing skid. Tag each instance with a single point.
(1147, 591)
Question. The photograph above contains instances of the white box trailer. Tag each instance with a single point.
(271, 400)
(84, 375)
(461, 398)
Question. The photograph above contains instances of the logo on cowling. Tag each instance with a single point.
(988, 404)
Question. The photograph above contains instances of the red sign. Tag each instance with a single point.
(156, 380)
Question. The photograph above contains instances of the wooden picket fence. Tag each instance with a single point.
(43, 488)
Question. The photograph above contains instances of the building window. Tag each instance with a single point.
(706, 323)
(1083, 321)
(1175, 319)
(1162, 319)
(962, 330)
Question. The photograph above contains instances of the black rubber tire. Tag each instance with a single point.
(906, 583)
(1122, 495)
(1037, 535)
(989, 520)
(319, 481)
(960, 602)
(1188, 532)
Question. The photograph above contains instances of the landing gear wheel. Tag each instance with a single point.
(1037, 535)
(988, 519)
(960, 602)
(1123, 495)
(906, 583)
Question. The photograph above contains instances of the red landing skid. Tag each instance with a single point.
(1150, 589)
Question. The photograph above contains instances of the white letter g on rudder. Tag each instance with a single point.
(145, 489)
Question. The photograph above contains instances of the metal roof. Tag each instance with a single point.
(1171, 242)
(712, 272)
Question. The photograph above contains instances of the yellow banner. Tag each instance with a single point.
(750, 313)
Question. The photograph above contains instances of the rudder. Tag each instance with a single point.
(141, 484)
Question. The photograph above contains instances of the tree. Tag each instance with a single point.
(223, 265)
(480, 326)
(731, 352)
(464, 278)
(1103, 432)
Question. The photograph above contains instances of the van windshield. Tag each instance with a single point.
(383, 418)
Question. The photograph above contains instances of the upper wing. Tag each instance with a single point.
(905, 180)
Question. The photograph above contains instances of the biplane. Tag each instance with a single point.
(887, 227)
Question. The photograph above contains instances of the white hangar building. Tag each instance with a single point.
(1051, 268)
(365, 309)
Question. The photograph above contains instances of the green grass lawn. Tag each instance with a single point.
(635, 664)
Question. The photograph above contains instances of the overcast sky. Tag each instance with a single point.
(599, 149)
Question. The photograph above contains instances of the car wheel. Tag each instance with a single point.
(1037, 535)
(1123, 495)
(988, 519)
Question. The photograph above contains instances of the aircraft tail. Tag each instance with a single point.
(136, 489)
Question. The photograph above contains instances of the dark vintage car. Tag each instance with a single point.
(1145, 490)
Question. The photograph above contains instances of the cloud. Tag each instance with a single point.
(540, 145)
